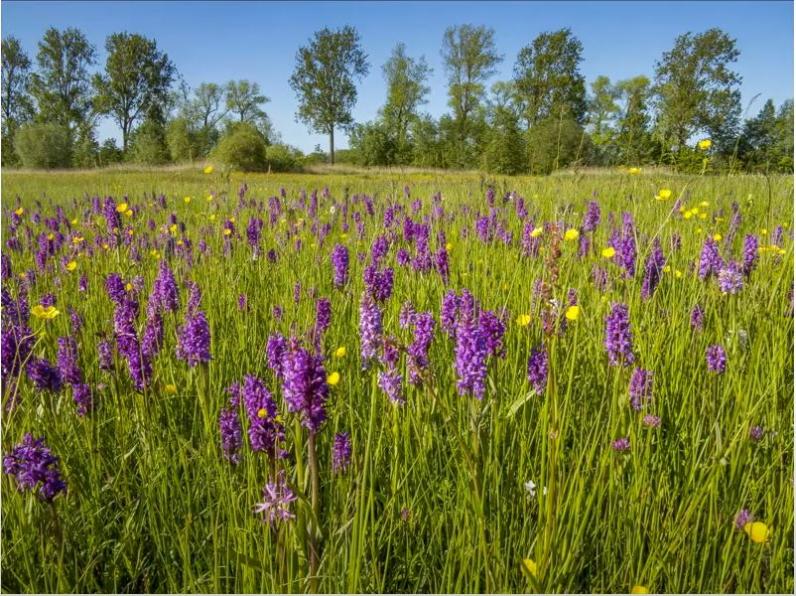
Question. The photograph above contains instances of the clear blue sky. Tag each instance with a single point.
(218, 41)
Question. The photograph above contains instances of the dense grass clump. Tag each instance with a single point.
(610, 447)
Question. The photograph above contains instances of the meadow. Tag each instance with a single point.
(387, 382)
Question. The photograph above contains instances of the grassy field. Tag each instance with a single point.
(435, 498)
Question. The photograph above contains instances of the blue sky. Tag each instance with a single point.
(218, 41)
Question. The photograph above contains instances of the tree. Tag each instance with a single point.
(548, 79)
(61, 85)
(244, 100)
(242, 148)
(181, 140)
(504, 150)
(427, 149)
(556, 143)
(603, 110)
(148, 141)
(373, 144)
(136, 81)
(696, 91)
(16, 104)
(209, 104)
(765, 144)
(324, 80)
(470, 59)
(633, 139)
(44, 145)
(17, 107)
(406, 90)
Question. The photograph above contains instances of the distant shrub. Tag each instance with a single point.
(182, 141)
(283, 158)
(149, 144)
(556, 143)
(109, 153)
(242, 148)
(44, 146)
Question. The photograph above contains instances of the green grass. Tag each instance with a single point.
(153, 507)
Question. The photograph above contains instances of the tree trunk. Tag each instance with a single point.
(331, 144)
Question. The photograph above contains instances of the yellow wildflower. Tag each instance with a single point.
(121, 207)
(262, 413)
(609, 252)
(227, 232)
(757, 532)
(571, 234)
(536, 232)
(573, 312)
(717, 237)
(208, 170)
(19, 211)
(448, 247)
(634, 171)
(71, 265)
(45, 312)
(340, 352)
(523, 320)
(186, 200)
(529, 566)
(333, 379)
(664, 193)
(705, 144)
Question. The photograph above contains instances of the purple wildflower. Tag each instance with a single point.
(341, 452)
(651, 421)
(618, 336)
(418, 350)
(450, 307)
(193, 342)
(537, 370)
(105, 351)
(231, 434)
(67, 361)
(716, 359)
(277, 497)
(591, 219)
(275, 351)
(750, 245)
(621, 445)
(710, 261)
(304, 388)
(640, 388)
(653, 268)
(730, 278)
(471, 356)
(369, 328)
(44, 375)
(390, 382)
(165, 295)
(743, 517)
(340, 265)
(265, 433)
(81, 395)
(697, 318)
(35, 468)
(756, 433)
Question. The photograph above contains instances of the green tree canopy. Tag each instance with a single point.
(61, 85)
(548, 79)
(324, 80)
(136, 81)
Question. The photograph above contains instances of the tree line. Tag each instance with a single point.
(545, 117)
